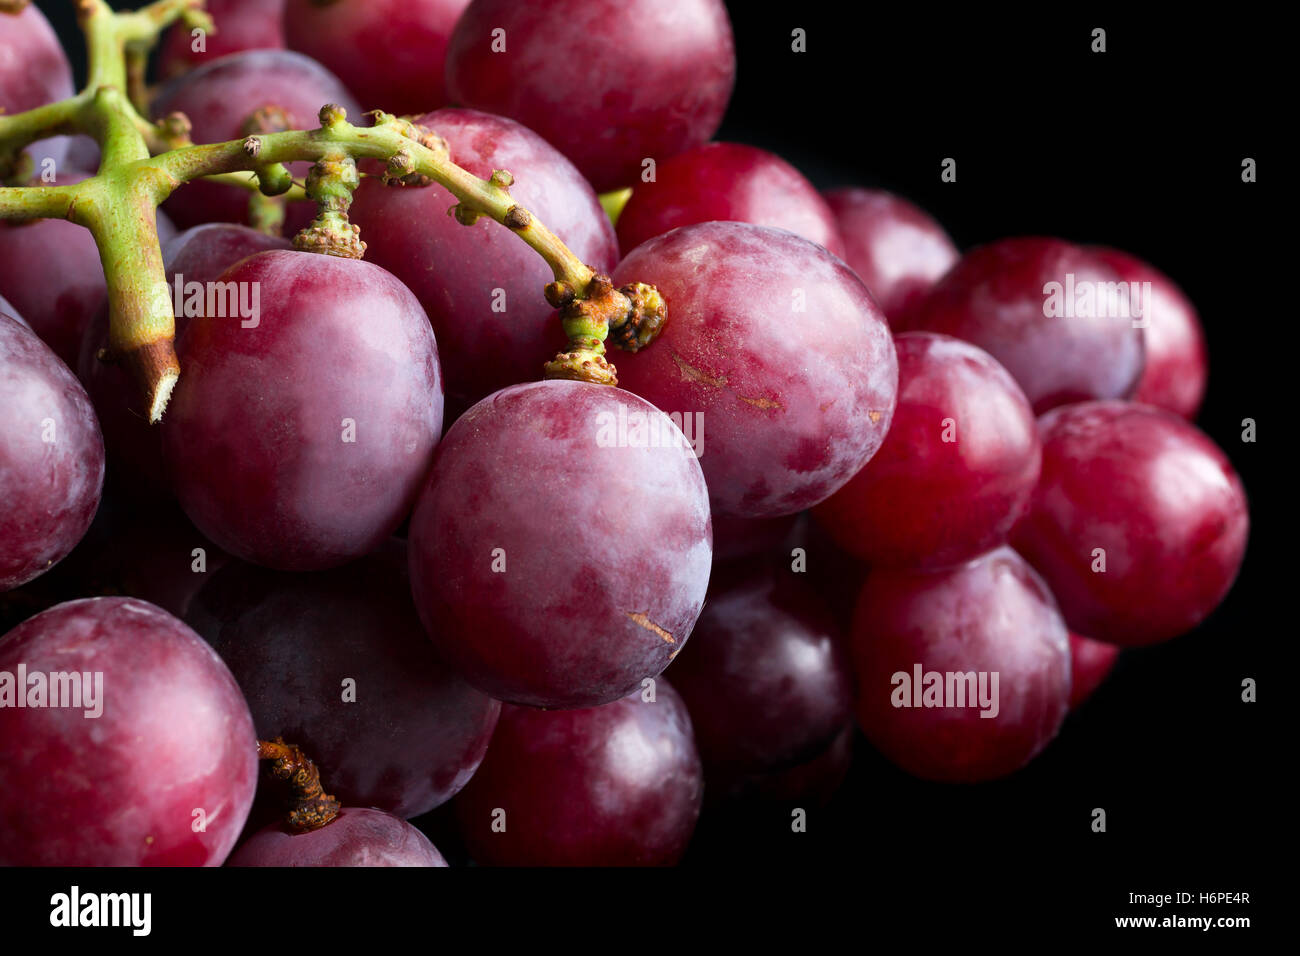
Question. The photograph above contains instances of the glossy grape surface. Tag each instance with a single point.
(897, 249)
(51, 457)
(134, 446)
(776, 350)
(993, 615)
(408, 37)
(765, 677)
(218, 98)
(616, 785)
(999, 297)
(955, 471)
(552, 563)
(337, 663)
(173, 744)
(664, 70)
(727, 182)
(1177, 362)
(300, 443)
(1150, 498)
(1090, 664)
(356, 837)
(241, 25)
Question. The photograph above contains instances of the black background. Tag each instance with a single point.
(1139, 148)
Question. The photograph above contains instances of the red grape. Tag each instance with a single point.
(7, 309)
(663, 71)
(747, 537)
(992, 620)
(493, 325)
(775, 349)
(134, 446)
(956, 470)
(765, 678)
(218, 97)
(1177, 364)
(411, 732)
(33, 71)
(1090, 663)
(1043, 308)
(553, 562)
(390, 53)
(51, 272)
(897, 249)
(809, 784)
(356, 837)
(300, 442)
(727, 181)
(616, 785)
(51, 457)
(1139, 522)
(241, 25)
(162, 776)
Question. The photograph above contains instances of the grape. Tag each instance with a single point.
(1177, 365)
(616, 785)
(51, 457)
(956, 470)
(9, 310)
(774, 348)
(1090, 663)
(555, 562)
(735, 538)
(156, 559)
(299, 443)
(173, 745)
(895, 248)
(408, 735)
(241, 25)
(218, 97)
(663, 72)
(1142, 494)
(999, 297)
(33, 71)
(727, 181)
(812, 783)
(134, 446)
(493, 325)
(408, 37)
(356, 837)
(765, 678)
(51, 273)
(831, 571)
(991, 616)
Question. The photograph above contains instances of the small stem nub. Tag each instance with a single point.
(635, 314)
(311, 807)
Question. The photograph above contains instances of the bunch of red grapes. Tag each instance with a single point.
(860, 478)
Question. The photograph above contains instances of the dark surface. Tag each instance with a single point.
(1138, 148)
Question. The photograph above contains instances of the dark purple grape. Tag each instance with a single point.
(493, 325)
(727, 182)
(776, 356)
(50, 271)
(812, 783)
(220, 96)
(33, 71)
(616, 785)
(6, 308)
(408, 37)
(735, 538)
(51, 457)
(300, 441)
(1053, 313)
(554, 561)
(956, 470)
(898, 250)
(663, 72)
(1139, 522)
(198, 255)
(765, 677)
(963, 674)
(156, 768)
(356, 837)
(337, 663)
